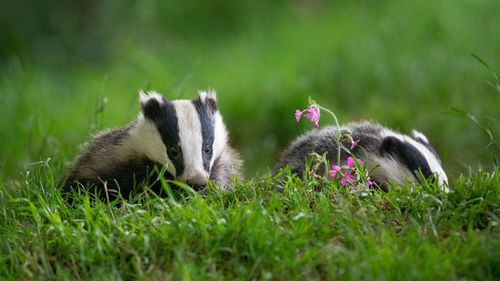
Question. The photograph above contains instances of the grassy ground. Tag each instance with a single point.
(311, 231)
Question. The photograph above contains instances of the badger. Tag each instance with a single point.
(187, 139)
(396, 157)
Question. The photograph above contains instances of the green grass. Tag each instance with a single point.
(311, 231)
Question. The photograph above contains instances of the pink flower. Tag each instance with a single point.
(313, 114)
(349, 177)
(334, 170)
(369, 183)
(354, 144)
(350, 162)
(298, 114)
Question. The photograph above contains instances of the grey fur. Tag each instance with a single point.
(227, 165)
(102, 161)
(370, 150)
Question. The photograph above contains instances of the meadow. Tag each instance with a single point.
(72, 70)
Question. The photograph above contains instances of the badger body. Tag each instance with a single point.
(186, 137)
(399, 157)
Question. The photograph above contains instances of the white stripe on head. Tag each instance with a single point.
(220, 137)
(191, 140)
(146, 140)
(432, 161)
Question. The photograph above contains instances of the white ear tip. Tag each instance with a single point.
(145, 97)
(212, 94)
(419, 135)
(204, 94)
(142, 96)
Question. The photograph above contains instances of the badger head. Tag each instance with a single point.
(185, 136)
(403, 158)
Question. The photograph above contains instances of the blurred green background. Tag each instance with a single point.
(404, 64)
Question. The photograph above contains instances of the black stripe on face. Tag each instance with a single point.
(164, 117)
(407, 154)
(205, 113)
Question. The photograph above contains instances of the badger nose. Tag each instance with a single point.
(197, 183)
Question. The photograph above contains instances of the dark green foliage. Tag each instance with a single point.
(402, 63)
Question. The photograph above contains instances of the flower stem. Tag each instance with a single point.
(339, 143)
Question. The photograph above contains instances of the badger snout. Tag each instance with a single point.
(197, 182)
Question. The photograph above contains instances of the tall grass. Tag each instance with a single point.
(310, 230)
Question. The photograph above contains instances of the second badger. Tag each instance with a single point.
(395, 157)
(188, 137)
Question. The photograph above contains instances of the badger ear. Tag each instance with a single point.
(419, 137)
(151, 104)
(209, 99)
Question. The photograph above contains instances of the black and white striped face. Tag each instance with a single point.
(184, 135)
(411, 155)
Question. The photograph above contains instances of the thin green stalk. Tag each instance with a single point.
(339, 143)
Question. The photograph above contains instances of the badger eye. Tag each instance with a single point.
(173, 151)
(207, 149)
